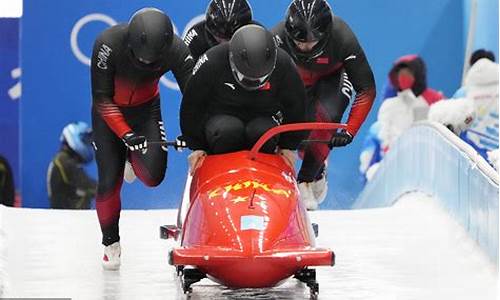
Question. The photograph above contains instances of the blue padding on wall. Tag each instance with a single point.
(10, 90)
(429, 159)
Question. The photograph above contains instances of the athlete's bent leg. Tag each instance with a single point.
(256, 128)
(224, 134)
(332, 99)
(150, 167)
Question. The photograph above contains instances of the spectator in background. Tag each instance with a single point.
(481, 87)
(7, 189)
(409, 78)
(68, 184)
(371, 153)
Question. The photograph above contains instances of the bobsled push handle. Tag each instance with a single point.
(292, 127)
(179, 144)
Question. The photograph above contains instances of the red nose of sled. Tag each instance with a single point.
(237, 270)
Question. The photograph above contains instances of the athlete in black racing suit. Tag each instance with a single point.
(238, 91)
(332, 66)
(127, 63)
(222, 19)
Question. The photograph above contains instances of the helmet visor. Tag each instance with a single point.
(248, 83)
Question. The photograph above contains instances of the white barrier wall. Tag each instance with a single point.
(430, 159)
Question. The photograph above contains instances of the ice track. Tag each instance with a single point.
(412, 250)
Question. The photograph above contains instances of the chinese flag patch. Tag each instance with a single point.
(266, 87)
(323, 60)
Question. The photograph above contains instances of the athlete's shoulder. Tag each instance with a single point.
(108, 46)
(195, 33)
(283, 58)
(279, 34)
(342, 31)
(343, 40)
(219, 52)
(213, 59)
(114, 35)
(178, 45)
(284, 62)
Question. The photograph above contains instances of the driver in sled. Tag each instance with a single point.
(238, 91)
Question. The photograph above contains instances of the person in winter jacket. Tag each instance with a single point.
(481, 87)
(68, 185)
(408, 76)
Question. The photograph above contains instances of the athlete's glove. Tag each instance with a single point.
(341, 139)
(180, 143)
(135, 142)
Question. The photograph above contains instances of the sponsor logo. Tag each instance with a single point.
(103, 56)
(203, 59)
(231, 85)
(190, 36)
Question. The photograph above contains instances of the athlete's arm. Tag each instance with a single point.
(103, 87)
(293, 98)
(361, 76)
(193, 41)
(183, 62)
(194, 104)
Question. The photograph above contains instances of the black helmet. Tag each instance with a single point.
(309, 21)
(150, 34)
(252, 56)
(224, 17)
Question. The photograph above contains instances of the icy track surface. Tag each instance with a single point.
(410, 251)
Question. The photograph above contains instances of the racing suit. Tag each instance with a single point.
(126, 99)
(219, 116)
(330, 78)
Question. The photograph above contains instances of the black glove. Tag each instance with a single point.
(135, 142)
(341, 139)
(180, 143)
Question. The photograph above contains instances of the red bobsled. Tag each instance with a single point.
(243, 225)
